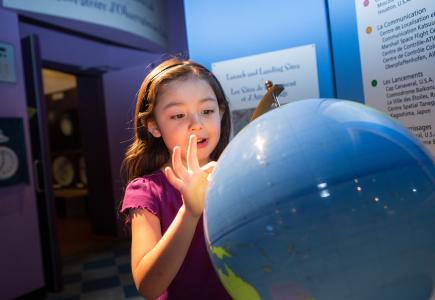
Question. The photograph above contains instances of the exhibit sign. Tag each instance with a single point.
(243, 79)
(7, 63)
(397, 49)
(146, 18)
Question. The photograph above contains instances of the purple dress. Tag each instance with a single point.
(196, 278)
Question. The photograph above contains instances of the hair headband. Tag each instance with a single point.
(144, 103)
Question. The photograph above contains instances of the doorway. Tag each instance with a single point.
(69, 172)
(73, 161)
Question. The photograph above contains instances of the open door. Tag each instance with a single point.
(120, 88)
(41, 163)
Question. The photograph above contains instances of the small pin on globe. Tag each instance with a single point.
(374, 83)
(366, 3)
(369, 29)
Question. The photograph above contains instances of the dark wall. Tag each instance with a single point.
(96, 150)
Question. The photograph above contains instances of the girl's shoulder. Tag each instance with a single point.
(153, 177)
(144, 192)
(147, 183)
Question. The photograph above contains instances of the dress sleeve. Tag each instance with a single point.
(141, 193)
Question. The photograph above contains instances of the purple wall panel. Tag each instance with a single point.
(177, 35)
(87, 54)
(20, 252)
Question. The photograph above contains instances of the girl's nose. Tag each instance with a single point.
(195, 122)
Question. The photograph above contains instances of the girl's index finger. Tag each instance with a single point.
(177, 163)
(192, 156)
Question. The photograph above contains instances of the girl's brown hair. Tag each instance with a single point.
(147, 153)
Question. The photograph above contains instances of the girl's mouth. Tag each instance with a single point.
(201, 143)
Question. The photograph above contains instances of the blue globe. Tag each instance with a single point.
(323, 199)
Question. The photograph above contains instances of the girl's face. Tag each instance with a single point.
(185, 107)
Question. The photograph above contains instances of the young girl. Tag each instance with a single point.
(182, 124)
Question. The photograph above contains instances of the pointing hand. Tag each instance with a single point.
(191, 181)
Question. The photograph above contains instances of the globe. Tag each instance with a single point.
(323, 199)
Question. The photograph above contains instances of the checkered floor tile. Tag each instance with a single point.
(104, 275)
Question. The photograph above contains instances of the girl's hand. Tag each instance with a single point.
(192, 182)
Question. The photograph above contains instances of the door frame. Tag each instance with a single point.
(41, 163)
(92, 118)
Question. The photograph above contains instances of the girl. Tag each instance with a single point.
(182, 124)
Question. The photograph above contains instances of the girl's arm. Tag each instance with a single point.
(156, 259)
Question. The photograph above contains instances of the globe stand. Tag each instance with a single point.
(269, 100)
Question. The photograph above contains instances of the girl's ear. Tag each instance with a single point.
(153, 128)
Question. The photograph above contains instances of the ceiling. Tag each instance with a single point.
(55, 81)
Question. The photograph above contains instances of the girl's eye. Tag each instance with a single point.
(208, 111)
(177, 116)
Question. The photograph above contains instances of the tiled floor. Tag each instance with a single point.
(101, 275)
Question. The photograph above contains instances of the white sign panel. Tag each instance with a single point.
(243, 78)
(145, 18)
(397, 48)
(7, 64)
